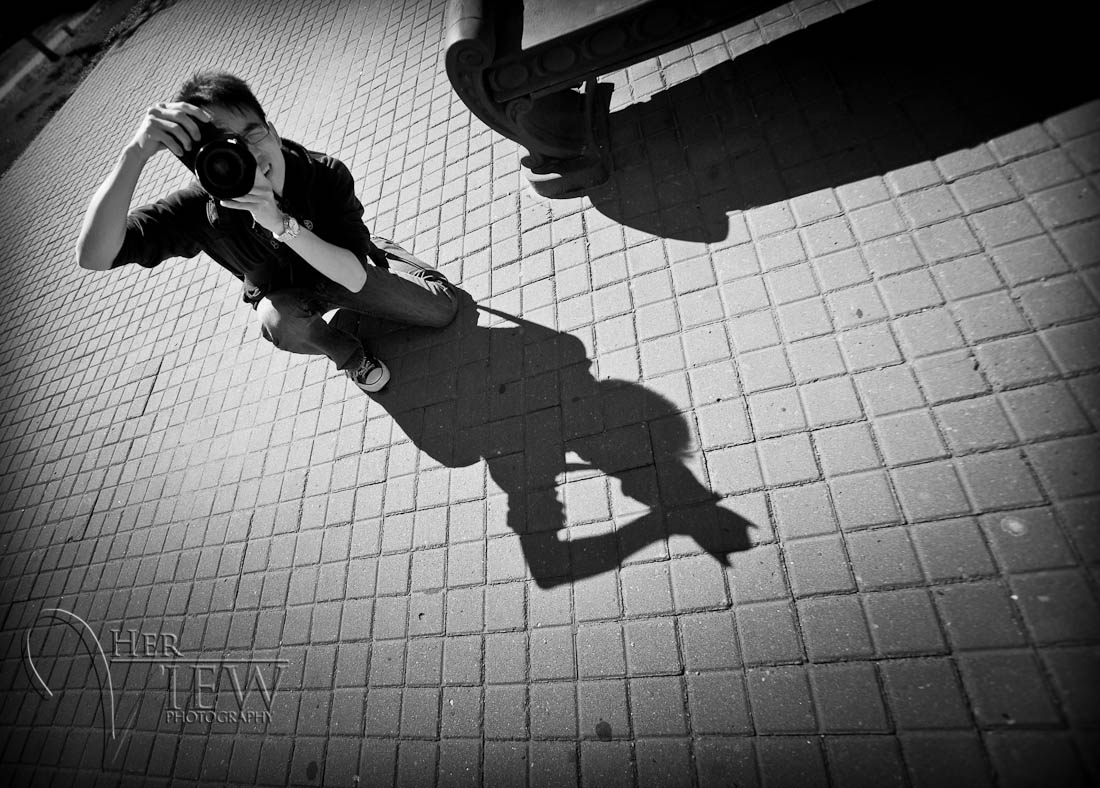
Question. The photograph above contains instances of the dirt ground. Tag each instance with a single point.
(31, 104)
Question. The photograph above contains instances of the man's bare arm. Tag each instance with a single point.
(335, 262)
(332, 261)
(170, 126)
(104, 227)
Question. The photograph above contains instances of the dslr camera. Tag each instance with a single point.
(222, 162)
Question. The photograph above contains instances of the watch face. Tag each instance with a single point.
(290, 228)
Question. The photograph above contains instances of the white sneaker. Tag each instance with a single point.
(371, 375)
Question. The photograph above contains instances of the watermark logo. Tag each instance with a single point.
(246, 677)
(100, 666)
(198, 690)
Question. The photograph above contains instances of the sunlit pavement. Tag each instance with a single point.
(770, 462)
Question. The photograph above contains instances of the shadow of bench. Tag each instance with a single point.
(529, 70)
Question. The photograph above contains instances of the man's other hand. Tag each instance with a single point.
(260, 202)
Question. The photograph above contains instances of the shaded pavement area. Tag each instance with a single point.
(33, 88)
(771, 462)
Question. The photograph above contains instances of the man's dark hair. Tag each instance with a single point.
(219, 88)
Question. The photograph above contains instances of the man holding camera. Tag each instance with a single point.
(282, 219)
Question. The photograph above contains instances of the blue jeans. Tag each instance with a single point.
(410, 292)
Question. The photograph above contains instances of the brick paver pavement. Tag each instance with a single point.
(772, 462)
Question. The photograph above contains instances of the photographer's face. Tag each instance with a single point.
(261, 137)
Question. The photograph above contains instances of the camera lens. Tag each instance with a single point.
(226, 168)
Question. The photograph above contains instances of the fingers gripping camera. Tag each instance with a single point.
(222, 162)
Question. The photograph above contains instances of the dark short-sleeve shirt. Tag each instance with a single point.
(319, 192)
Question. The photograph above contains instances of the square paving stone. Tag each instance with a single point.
(847, 698)
(817, 565)
(863, 500)
(657, 706)
(1007, 688)
(664, 762)
(903, 622)
(883, 557)
(602, 710)
(865, 762)
(925, 694)
(1027, 539)
(780, 700)
(768, 633)
(952, 549)
(834, 627)
(955, 760)
(792, 760)
(651, 647)
(1058, 606)
(930, 491)
(718, 703)
(978, 615)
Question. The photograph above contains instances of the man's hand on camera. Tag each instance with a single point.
(170, 126)
(260, 202)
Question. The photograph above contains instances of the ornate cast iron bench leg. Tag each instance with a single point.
(572, 120)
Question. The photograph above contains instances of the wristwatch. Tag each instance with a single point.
(291, 228)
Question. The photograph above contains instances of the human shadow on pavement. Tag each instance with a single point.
(876, 89)
(522, 397)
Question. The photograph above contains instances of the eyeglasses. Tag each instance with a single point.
(256, 136)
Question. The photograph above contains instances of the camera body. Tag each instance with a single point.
(222, 162)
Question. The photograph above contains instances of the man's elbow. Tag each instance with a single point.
(357, 278)
(90, 261)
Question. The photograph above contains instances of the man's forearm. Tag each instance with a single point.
(335, 262)
(104, 228)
